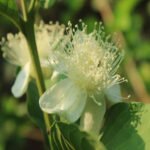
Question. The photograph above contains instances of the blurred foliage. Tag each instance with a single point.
(132, 17)
(15, 128)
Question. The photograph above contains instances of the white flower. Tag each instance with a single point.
(90, 64)
(15, 50)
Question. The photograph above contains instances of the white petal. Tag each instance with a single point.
(64, 99)
(46, 69)
(15, 49)
(21, 82)
(92, 118)
(76, 110)
(114, 94)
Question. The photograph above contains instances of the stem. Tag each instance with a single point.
(30, 37)
(37, 70)
(31, 4)
(24, 11)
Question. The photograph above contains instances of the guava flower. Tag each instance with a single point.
(89, 64)
(16, 51)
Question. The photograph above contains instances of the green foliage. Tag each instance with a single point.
(33, 105)
(127, 127)
(75, 5)
(69, 137)
(144, 71)
(123, 10)
(46, 3)
(13, 123)
(34, 110)
(8, 9)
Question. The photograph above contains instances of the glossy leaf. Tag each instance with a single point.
(127, 127)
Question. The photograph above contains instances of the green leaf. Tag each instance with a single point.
(75, 5)
(8, 9)
(127, 127)
(123, 9)
(33, 105)
(70, 137)
(34, 110)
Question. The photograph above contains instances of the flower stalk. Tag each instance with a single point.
(23, 7)
(28, 31)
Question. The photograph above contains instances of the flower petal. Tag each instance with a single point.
(113, 94)
(64, 99)
(92, 118)
(21, 82)
(75, 111)
(46, 69)
(15, 49)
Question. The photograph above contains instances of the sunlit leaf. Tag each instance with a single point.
(127, 127)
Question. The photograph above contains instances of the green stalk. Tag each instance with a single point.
(24, 11)
(32, 2)
(29, 33)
